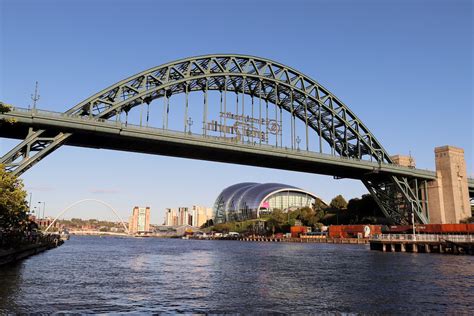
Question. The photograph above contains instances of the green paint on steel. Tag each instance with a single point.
(396, 189)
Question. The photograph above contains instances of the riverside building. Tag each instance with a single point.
(140, 220)
(250, 200)
(183, 216)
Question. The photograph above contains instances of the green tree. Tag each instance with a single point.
(319, 205)
(338, 203)
(13, 205)
(277, 219)
(4, 107)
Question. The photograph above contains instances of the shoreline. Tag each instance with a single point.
(14, 255)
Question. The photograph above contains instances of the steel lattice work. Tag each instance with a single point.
(287, 89)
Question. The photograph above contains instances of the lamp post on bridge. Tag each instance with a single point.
(190, 123)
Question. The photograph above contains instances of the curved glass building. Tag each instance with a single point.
(250, 200)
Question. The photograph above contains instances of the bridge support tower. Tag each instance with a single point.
(448, 201)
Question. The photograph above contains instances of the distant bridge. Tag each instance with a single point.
(275, 109)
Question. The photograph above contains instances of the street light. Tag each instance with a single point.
(44, 207)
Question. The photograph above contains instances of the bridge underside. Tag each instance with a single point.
(380, 179)
(160, 142)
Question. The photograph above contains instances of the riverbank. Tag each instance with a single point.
(25, 251)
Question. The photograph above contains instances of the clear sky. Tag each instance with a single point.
(404, 67)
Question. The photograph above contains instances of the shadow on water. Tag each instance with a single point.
(10, 276)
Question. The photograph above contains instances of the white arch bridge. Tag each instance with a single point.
(88, 200)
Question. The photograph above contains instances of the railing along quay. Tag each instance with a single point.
(426, 243)
(308, 240)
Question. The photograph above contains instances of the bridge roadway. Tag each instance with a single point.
(99, 133)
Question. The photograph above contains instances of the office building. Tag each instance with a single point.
(184, 216)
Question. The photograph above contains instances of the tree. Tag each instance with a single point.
(277, 219)
(208, 223)
(4, 107)
(338, 202)
(319, 205)
(13, 205)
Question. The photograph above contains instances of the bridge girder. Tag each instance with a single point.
(273, 82)
(283, 86)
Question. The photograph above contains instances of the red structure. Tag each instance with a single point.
(354, 231)
(296, 231)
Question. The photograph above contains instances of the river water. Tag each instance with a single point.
(120, 275)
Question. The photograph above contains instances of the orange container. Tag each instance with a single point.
(454, 228)
(297, 230)
(470, 228)
(352, 231)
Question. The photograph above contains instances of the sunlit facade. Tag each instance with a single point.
(140, 220)
(251, 200)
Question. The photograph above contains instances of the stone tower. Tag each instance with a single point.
(448, 195)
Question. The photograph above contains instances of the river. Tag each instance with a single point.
(120, 275)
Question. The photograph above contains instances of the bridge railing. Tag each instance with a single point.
(156, 130)
(424, 237)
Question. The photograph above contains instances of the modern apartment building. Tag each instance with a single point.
(140, 220)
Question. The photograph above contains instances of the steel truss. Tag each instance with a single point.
(283, 86)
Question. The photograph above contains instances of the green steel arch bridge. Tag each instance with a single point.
(245, 109)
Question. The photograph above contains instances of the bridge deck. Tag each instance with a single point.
(97, 133)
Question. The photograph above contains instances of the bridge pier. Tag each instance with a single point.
(427, 248)
(449, 193)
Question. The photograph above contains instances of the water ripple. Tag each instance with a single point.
(122, 275)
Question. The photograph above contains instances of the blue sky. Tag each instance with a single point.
(404, 67)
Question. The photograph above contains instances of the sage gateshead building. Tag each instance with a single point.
(251, 200)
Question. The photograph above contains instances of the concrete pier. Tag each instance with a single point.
(454, 244)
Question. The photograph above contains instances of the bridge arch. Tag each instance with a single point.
(88, 200)
(287, 88)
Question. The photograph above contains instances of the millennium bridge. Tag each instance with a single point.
(245, 110)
